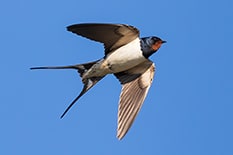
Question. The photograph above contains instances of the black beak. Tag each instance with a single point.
(163, 41)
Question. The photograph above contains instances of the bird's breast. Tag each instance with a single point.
(125, 57)
(121, 59)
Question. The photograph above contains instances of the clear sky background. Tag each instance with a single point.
(188, 110)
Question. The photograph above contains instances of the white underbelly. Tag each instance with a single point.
(119, 60)
(125, 57)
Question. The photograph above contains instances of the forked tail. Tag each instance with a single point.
(88, 83)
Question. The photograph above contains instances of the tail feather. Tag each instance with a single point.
(55, 67)
(88, 83)
(82, 68)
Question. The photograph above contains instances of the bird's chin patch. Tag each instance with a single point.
(157, 45)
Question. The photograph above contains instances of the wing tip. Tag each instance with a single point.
(120, 136)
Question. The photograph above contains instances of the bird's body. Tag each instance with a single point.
(126, 56)
(117, 61)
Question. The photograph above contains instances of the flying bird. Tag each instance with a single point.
(126, 55)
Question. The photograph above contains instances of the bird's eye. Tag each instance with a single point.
(155, 39)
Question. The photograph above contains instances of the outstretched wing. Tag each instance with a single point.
(135, 85)
(112, 36)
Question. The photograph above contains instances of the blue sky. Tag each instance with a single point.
(188, 109)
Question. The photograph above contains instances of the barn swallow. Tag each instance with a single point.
(127, 57)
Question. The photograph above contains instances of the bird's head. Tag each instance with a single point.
(155, 43)
(150, 45)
